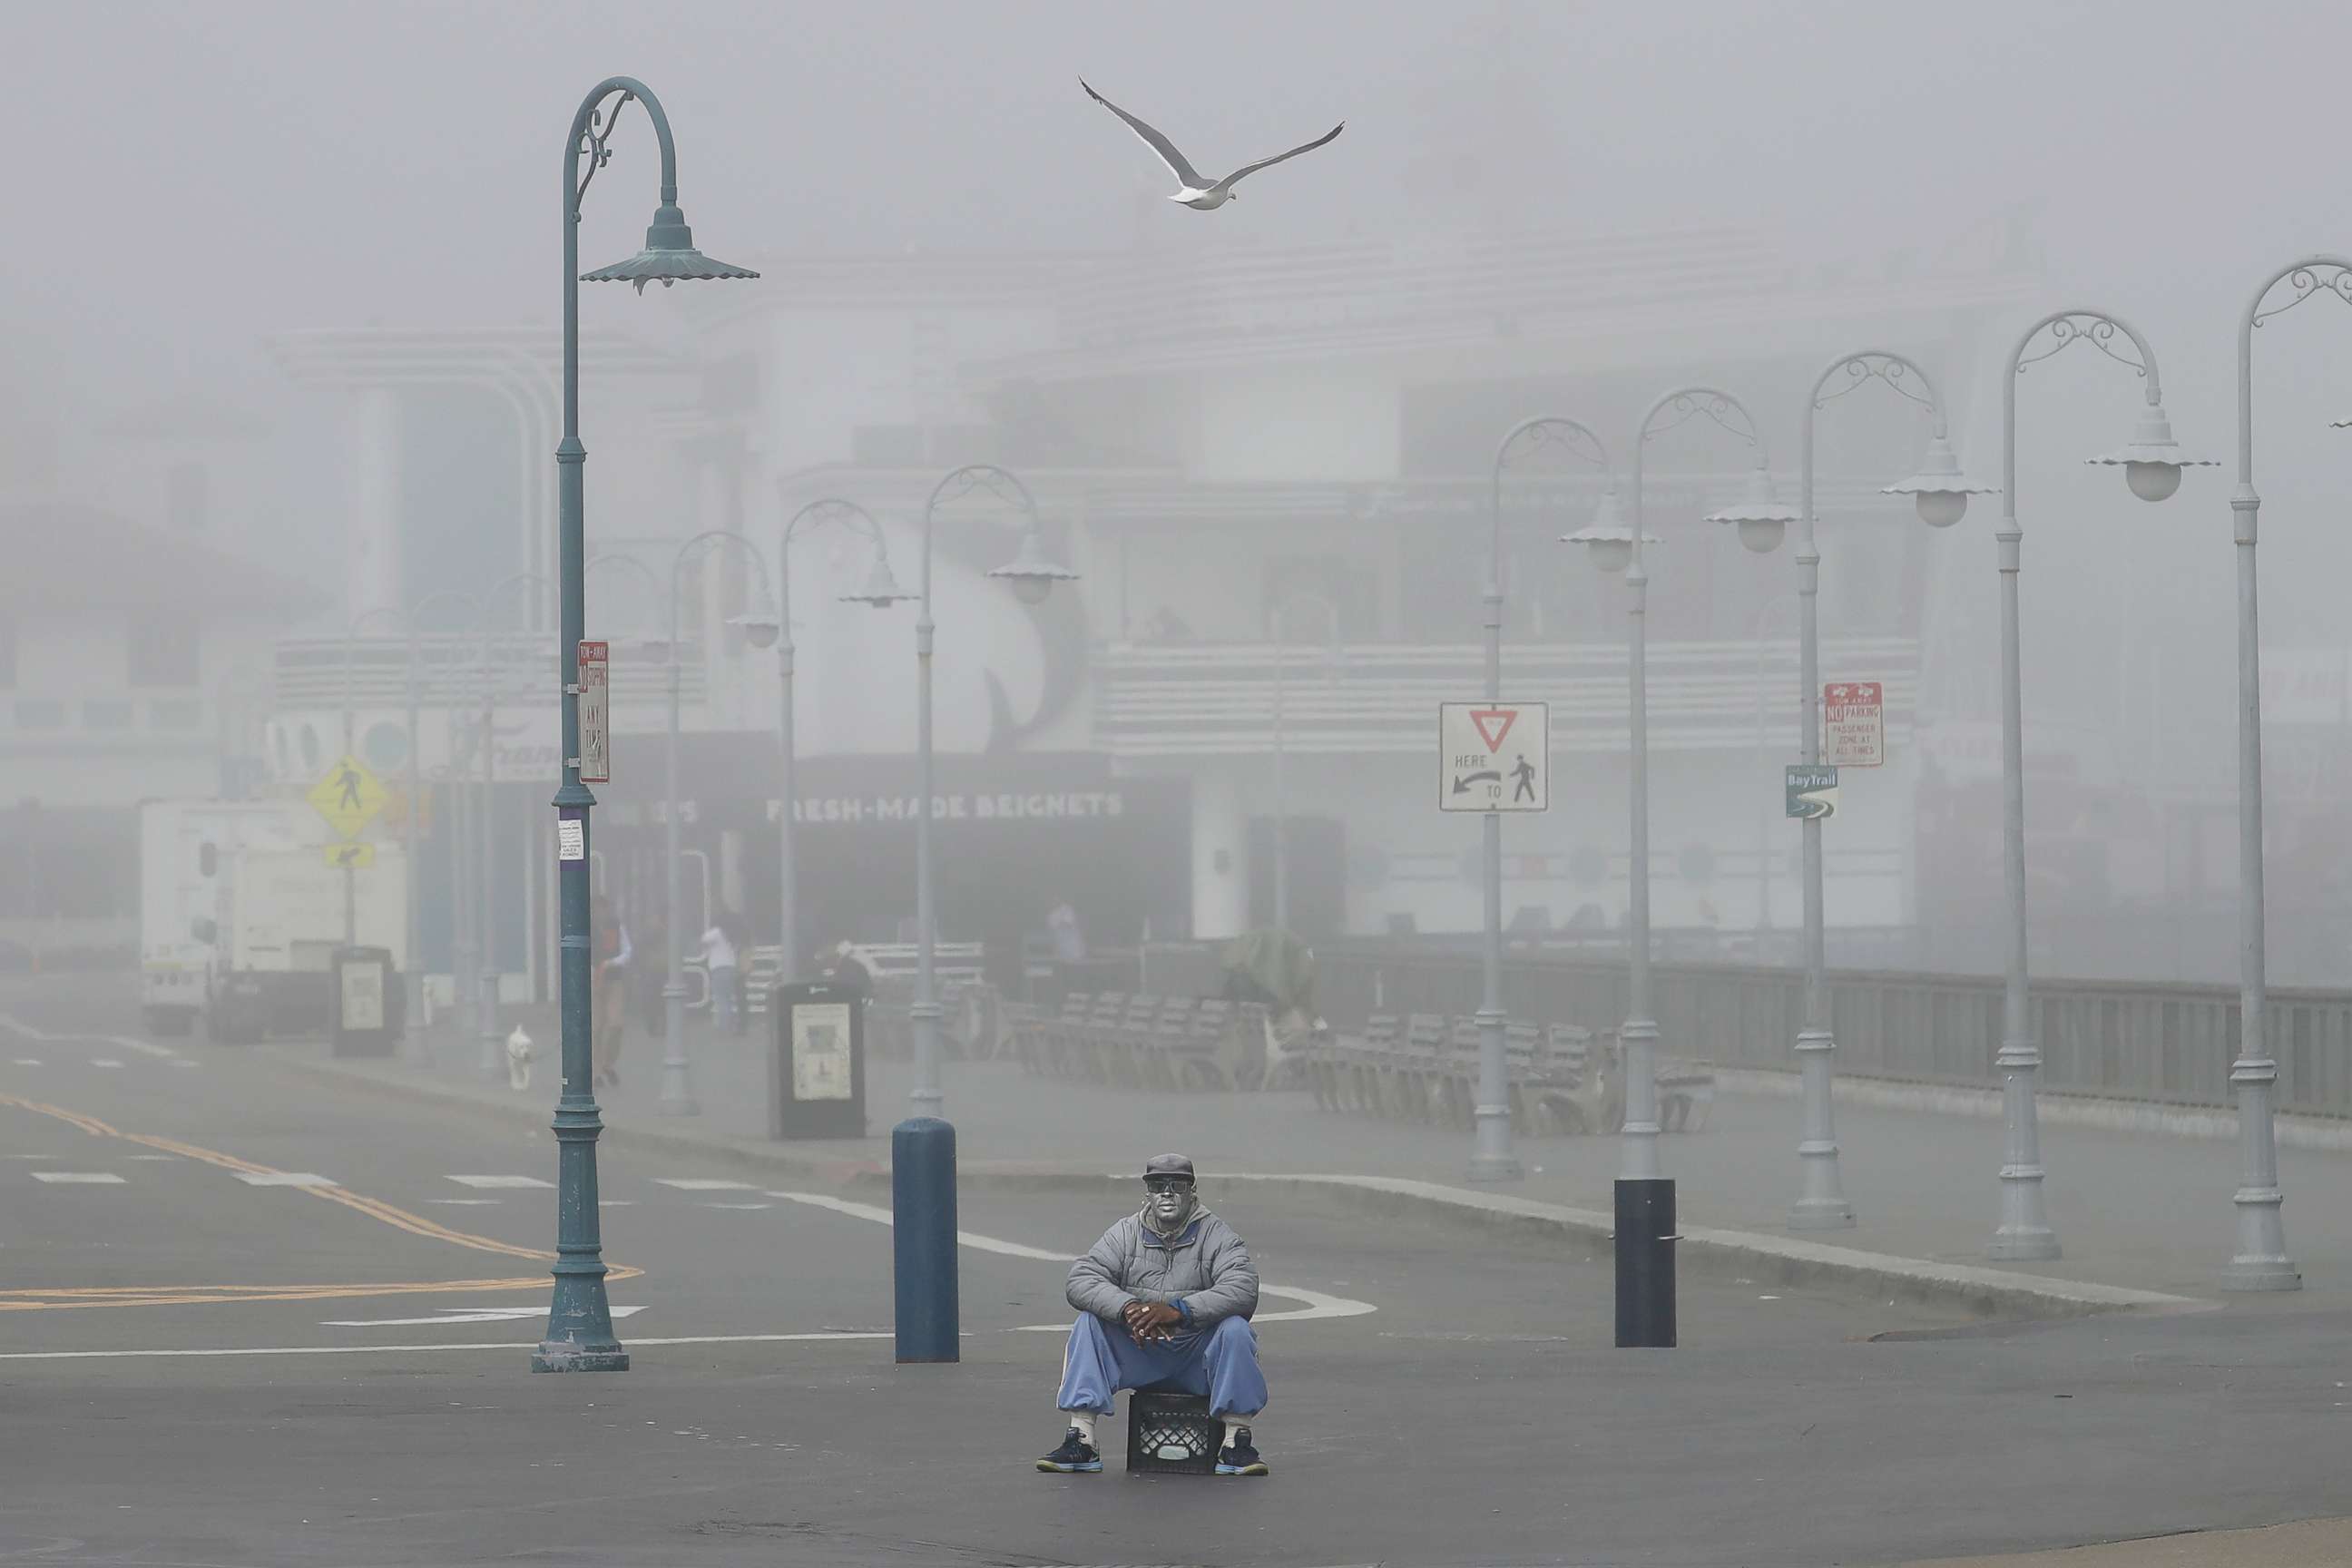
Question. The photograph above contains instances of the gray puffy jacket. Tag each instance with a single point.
(1205, 1273)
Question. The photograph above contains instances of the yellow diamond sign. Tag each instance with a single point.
(348, 796)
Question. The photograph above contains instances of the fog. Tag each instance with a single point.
(200, 187)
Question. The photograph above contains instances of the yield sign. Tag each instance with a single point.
(1493, 724)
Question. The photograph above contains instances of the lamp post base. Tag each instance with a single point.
(563, 1355)
(2262, 1274)
(2022, 1245)
(1820, 1214)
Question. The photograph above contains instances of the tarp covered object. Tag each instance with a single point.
(1276, 963)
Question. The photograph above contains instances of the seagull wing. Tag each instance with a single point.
(1185, 174)
(1269, 162)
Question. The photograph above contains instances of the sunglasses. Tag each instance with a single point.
(1156, 1184)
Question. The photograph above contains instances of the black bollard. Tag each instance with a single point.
(1645, 1263)
(923, 1210)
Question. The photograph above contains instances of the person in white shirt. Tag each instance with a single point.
(726, 979)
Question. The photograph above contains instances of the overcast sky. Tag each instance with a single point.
(184, 177)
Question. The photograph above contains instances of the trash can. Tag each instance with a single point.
(368, 1003)
(816, 1060)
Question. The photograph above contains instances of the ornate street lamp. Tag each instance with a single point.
(1031, 577)
(2152, 464)
(580, 1319)
(880, 591)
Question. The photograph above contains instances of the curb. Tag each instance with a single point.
(1985, 1291)
(2295, 1132)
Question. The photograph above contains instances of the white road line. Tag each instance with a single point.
(462, 1315)
(80, 1178)
(616, 1203)
(427, 1350)
(739, 1206)
(144, 1048)
(1318, 1305)
(104, 1062)
(501, 1182)
(466, 1203)
(284, 1179)
(28, 1061)
(166, 1157)
(703, 1184)
(182, 1062)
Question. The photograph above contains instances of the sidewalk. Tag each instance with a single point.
(2137, 1210)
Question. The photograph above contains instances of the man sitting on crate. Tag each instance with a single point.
(1164, 1302)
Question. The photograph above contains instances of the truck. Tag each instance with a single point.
(241, 911)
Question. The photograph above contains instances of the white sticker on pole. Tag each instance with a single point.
(1494, 756)
(571, 839)
(1853, 725)
(595, 715)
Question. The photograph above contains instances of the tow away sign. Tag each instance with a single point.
(595, 712)
(1853, 725)
(1494, 756)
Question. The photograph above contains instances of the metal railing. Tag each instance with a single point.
(2169, 1043)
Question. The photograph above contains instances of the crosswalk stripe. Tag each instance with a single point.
(283, 1179)
(465, 1202)
(501, 1182)
(104, 1062)
(703, 1184)
(28, 1061)
(738, 1205)
(83, 1178)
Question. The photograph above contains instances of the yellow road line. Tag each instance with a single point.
(189, 1295)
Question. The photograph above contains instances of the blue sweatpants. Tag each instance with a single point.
(1220, 1364)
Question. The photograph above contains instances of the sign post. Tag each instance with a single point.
(1813, 792)
(1853, 725)
(596, 712)
(1494, 756)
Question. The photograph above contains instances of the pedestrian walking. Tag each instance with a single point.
(720, 962)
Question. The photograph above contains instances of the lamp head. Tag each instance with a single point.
(759, 625)
(668, 256)
(881, 589)
(1031, 576)
(1939, 488)
(1608, 542)
(2152, 459)
(1760, 517)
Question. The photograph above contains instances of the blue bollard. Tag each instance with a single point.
(923, 1210)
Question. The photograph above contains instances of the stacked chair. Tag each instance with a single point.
(1424, 1067)
(1140, 1041)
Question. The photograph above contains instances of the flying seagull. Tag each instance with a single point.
(1203, 196)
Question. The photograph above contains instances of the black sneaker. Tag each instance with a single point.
(1241, 1458)
(1074, 1457)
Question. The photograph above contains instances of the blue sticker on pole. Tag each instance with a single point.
(1813, 792)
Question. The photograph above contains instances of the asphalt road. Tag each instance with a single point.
(206, 1358)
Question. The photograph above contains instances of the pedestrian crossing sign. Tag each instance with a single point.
(348, 795)
(1494, 756)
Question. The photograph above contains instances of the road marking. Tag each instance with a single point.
(462, 1315)
(374, 1208)
(703, 1184)
(172, 1159)
(85, 1178)
(616, 1203)
(284, 1179)
(142, 1047)
(50, 1299)
(104, 1062)
(502, 1182)
(739, 1206)
(182, 1062)
(28, 1061)
(430, 1349)
(466, 1203)
(1318, 1304)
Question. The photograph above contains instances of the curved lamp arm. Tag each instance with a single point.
(695, 546)
(2066, 328)
(1689, 403)
(1000, 482)
(1572, 436)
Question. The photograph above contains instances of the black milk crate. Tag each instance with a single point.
(1172, 1433)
